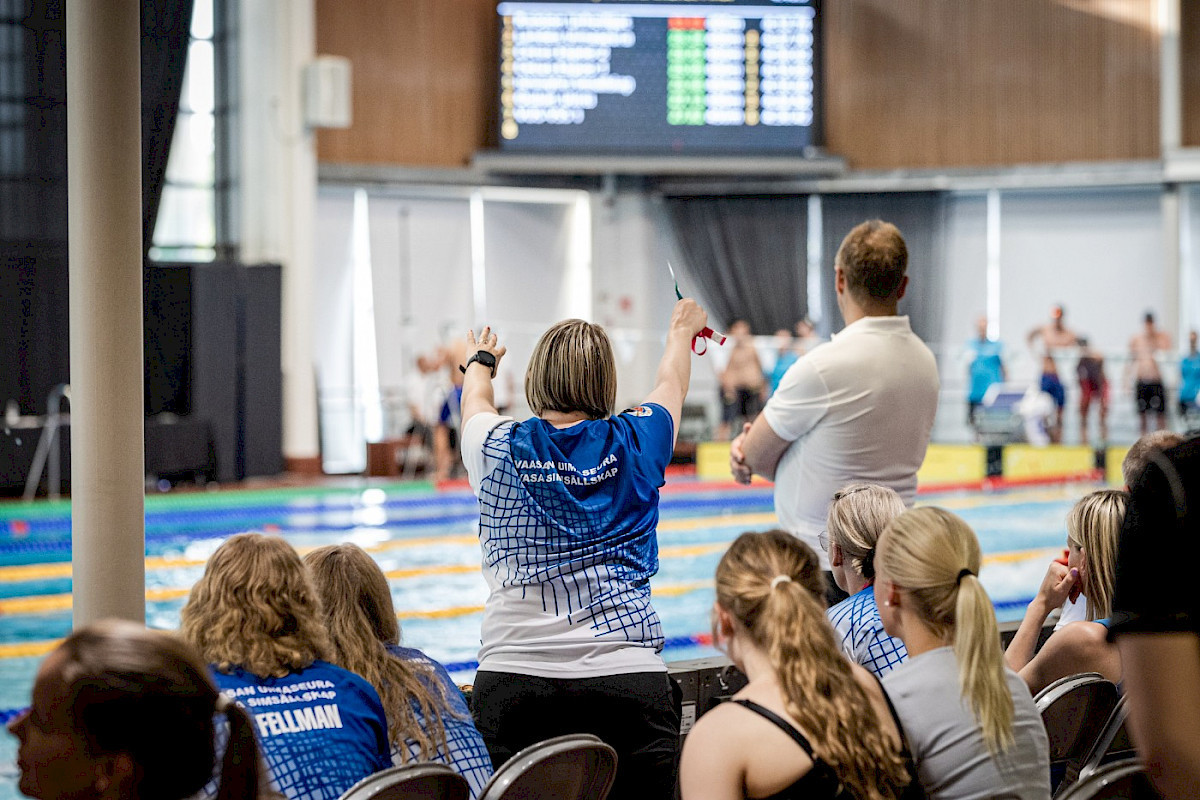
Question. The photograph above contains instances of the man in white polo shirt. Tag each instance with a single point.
(857, 409)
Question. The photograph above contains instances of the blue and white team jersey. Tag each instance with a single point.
(468, 755)
(861, 635)
(568, 525)
(322, 729)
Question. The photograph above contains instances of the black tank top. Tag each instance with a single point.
(819, 782)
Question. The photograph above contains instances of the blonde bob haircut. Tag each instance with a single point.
(255, 608)
(1093, 526)
(572, 368)
(857, 515)
(923, 552)
(361, 620)
(786, 618)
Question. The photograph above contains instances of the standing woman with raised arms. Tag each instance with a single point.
(970, 721)
(568, 524)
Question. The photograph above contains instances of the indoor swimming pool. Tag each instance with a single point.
(424, 539)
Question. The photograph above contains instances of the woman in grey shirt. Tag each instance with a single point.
(970, 721)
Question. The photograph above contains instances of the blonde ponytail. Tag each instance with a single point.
(934, 556)
(770, 582)
(981, 663)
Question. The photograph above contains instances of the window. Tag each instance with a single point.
(195, 198)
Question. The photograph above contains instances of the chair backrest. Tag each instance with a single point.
(1112, 743)
(1125, 779)
(419, 781)
(574, 767)
(1074, 710)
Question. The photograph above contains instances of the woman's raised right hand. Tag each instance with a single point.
(1057, 584)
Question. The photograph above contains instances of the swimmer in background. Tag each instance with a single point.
(1189, 383)
(806, 336)
(1093, 385)
(1055, 335)
(1143, 359)
(786, 354)
(743, 385)
(987, 367)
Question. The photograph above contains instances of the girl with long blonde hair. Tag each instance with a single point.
(428, 719)
(1093, 528)
(256, 618)
(970, 721)
(809, 723)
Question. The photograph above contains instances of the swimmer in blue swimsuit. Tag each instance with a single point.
(1054, 335)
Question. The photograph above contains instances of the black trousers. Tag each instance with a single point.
(637, 714)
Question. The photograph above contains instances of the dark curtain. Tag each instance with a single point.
(165, 26)
(745, 257)
(34, 343)
(921, 219)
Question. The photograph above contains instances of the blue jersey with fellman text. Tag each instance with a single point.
(322, 729)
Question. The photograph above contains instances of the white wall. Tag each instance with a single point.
(1100, 252)
(421, 275)
(965, 267)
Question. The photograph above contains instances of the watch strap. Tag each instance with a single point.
(486, 358)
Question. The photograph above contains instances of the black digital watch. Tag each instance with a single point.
(483, 357)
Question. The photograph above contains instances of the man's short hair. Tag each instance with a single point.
(1144, 450)
(873, 258)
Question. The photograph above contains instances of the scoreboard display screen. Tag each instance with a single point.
(625, 77)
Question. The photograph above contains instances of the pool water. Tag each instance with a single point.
(424, 539)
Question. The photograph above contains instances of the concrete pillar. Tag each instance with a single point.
(104, 161)
(279, 193)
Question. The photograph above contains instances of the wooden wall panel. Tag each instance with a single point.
(909, 83)
(424, 79)
(921, 83)
(1190, 67)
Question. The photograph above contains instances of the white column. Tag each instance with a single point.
(815, 249)
(104, 194)
(1171, 82)
(1174, 317)
(993, 263)
(279, 190)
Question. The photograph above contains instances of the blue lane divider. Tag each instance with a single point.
(242, 517)
(62, 546)
(182, 538)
